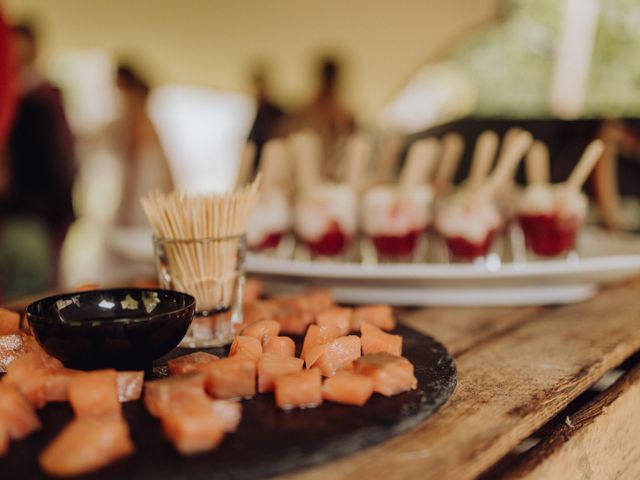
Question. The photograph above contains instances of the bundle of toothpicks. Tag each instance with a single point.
(202, 238)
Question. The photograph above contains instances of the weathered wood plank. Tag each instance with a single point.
(600, 441)
(507, 388)
(460, 329)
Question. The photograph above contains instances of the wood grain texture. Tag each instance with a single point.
(600, 441)
(462, 329)
(507, 388)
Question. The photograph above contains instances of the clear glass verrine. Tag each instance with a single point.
(212, 270)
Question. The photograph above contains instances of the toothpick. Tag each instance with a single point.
(205, 231)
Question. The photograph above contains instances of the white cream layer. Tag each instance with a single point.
(387, 210)
(550, 199)
(271, 214)
(465, 215)
(317, 209)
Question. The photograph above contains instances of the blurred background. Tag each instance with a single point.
(133, 96)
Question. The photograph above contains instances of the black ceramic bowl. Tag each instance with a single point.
(124, 328)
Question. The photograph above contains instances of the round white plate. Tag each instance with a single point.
(603, 258)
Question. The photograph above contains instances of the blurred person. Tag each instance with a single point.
(134, 142)
(7, 101)
(326, 113)
(36, 207)
(145, 165)
(268, 114)
(7, 89)
(41, 146)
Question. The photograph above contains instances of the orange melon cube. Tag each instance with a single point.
(16, 413)
(250, 347)
(379, 315)
(231, 377)
(374, 340)
(192, 425)
(338, 317)
(348, 388)
(190, 363)
(390, 374)
(317, 335)
(95, 394)
(334, 356)
(32, 374)
(283, 345)
(261, 329)
(86, 445)
(274, 365)
(228, 412)
(193, 432)
(160, 394)
(299, 390)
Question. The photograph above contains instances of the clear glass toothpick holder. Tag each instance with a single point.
(212, 270)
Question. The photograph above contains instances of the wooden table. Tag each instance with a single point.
(524, 376)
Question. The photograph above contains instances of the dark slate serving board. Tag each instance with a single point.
(269, 441)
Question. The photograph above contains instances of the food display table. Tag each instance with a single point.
(525, 375)
(542, 393)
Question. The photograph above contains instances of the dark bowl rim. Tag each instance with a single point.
(31, 315)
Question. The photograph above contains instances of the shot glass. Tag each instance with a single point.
(549, 235)
(212, 270)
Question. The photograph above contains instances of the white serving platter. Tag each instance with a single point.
(602, 259)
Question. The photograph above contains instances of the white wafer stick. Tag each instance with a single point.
(452, 150)
(537, 164)
(508, 139)
(509, 159)
(484, 155)
(274, 165)
(356, 158)
(420, 163)
(389, 157)
(585, 165)
(306, 151)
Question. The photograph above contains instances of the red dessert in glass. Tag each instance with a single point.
(549, 235)
(550, 217)
(333, 242)
(270, 242)
(269, 222)
(326, 218)
(468, 225)
(397, 246)
(395, 219)
(461, 248)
